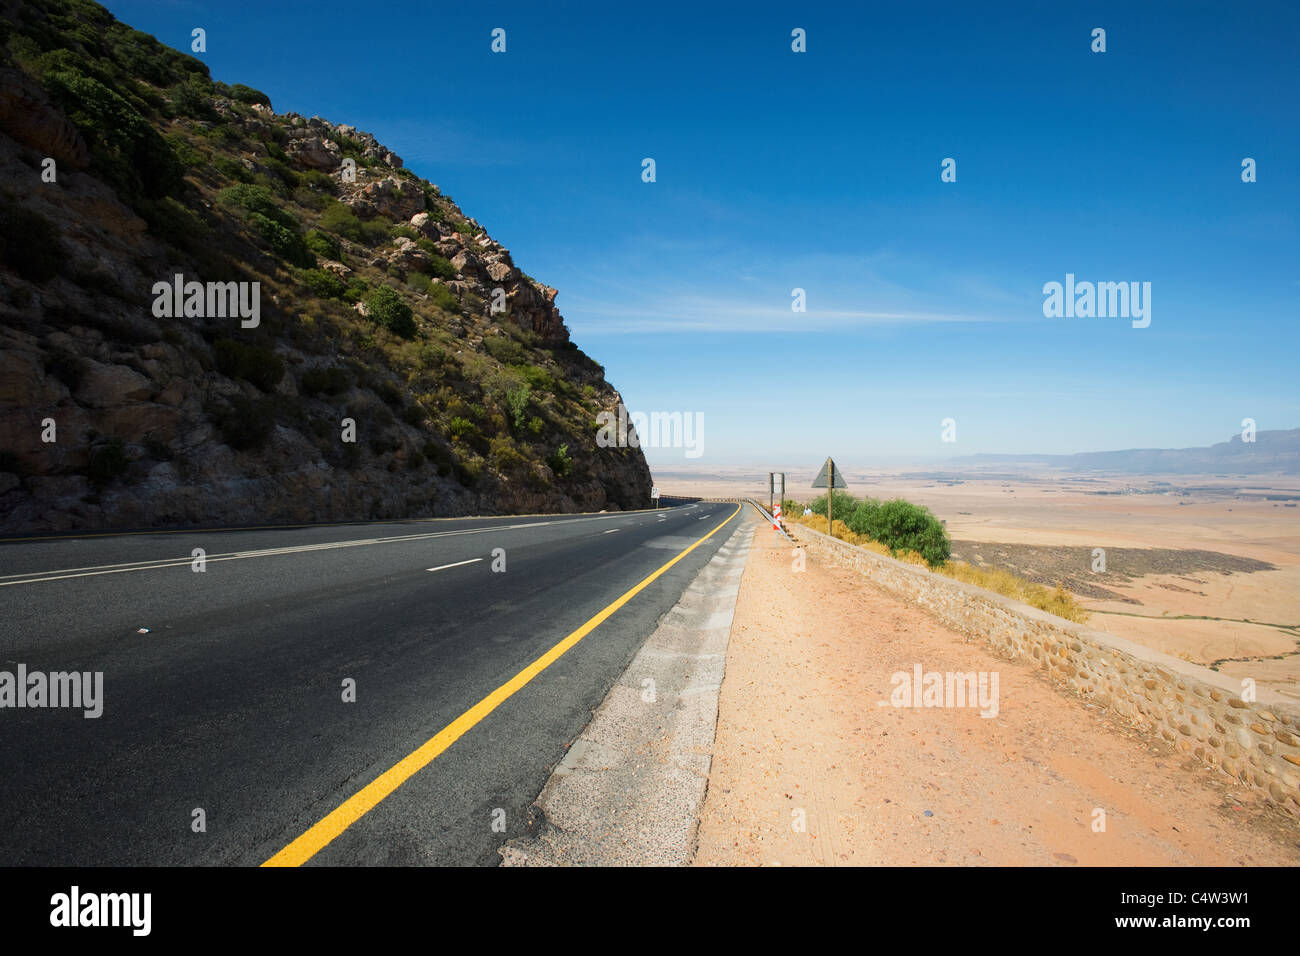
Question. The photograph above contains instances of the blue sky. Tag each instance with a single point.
(821, 171)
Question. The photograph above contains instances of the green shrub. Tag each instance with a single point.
(246, 94)
(843, 503)
(315, 179)
(419, 282)
(323, 244)
(505, 350)
(326, 381)
(193, 99)
(440, 267)
(388, 393)
(516, 401)
(861, 519)
(125, 147)
(232, 168)
(444, 298)
(505, 456)
(187, 155)
(339, 219)
(283, 171)
(356, 289)
(538, 378)
(285, 243)
(386, 308)
(560, 462)
(461, 428)
(273, 148)
(253, 198)
(175, 222)
(375, 231)
(251, 363)
(324, 283)
(903, 526)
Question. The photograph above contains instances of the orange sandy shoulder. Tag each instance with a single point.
(813, 765)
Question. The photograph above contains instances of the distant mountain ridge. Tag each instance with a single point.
(1272, 452)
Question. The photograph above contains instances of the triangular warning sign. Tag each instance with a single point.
(820, 480)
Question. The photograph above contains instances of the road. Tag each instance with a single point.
(232, 701)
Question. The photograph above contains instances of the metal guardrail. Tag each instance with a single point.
(770, 520)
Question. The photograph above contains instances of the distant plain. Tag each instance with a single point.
(1205, 568)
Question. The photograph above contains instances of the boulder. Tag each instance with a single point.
(103, 386)
(315, 152)
(468, 264)
(407, 255)
(27, 115)
(392, 198)
(499, 271)
(428, 227)
(338, 268)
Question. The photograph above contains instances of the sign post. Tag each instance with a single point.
(654, 495)
(830, 479)
(775, 490)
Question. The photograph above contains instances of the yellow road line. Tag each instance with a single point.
(368, 797)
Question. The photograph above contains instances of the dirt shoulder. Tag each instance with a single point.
(803, 736)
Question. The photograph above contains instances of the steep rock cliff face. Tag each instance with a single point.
(400, 363)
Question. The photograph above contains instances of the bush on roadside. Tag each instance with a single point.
(843, 504)
(903, 526)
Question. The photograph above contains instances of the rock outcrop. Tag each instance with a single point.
(113, 414)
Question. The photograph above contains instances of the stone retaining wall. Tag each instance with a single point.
(1198, 711)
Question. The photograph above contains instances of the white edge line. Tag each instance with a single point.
(444, 567)
(38, 577)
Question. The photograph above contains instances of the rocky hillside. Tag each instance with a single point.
(398, 363)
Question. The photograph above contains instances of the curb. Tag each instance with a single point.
(629, 790)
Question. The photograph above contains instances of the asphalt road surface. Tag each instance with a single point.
(232, 701)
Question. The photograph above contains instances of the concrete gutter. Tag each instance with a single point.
(629, 790)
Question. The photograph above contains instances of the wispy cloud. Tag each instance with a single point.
(715, 315)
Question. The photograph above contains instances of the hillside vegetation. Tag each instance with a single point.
(376, 296)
